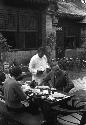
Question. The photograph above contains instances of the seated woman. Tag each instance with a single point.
(13, 93)
(58, 79)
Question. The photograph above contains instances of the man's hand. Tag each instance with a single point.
(48, 70)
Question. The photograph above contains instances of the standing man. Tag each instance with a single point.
(39, 66)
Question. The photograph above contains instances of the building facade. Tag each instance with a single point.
(68, 24)
(27, 25)
(23, 24)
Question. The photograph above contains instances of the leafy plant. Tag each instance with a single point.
(4, 47)
(51, 41)
(3, 44)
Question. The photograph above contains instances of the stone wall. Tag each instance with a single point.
(74, 53)
(22, 57)
(50, 29)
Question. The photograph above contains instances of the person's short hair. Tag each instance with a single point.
(41, 49)
(15, 71)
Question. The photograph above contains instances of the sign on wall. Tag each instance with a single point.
(55, 21)
(59, 28)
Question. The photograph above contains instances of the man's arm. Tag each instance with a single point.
(20, 92)
(47, 64)
(32, 66)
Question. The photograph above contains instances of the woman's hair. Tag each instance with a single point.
(15, 71)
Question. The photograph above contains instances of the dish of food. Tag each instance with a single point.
(57, 95)
(42, 87)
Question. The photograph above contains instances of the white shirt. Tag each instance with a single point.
(37, 63)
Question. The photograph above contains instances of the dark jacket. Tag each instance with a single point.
(13, 93)
(57, 79)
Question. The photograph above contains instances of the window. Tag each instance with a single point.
(71, 42)
(31, 40)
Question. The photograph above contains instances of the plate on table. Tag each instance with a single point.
(56, 94)
(25, 87)
(45, 92)
(42, 87)
(54, 98)
(60, 96)
(36, 91)
(53, 89)
(51, 98)
(28, 82)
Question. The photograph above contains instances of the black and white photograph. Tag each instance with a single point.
(42, 62)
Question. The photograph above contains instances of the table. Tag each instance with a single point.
(46, 98)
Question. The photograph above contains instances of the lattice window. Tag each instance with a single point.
(27, 22)
(11, 22)
(7, 21)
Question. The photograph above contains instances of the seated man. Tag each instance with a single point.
(38, 65)
(13, 93)
(58, 79)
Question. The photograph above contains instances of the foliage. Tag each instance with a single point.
(4, 47)
(3, 44)
(79, 1)
(51, 42)
(72, 64)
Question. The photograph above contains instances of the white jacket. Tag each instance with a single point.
(38, 64)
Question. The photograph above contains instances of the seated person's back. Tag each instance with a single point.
(12, 90)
